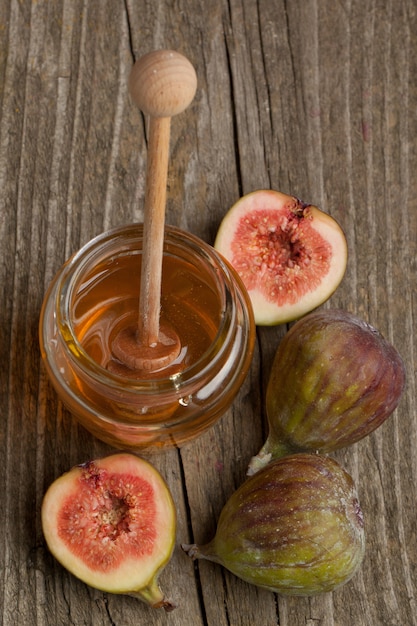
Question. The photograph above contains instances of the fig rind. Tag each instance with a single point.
(294, 528)
(291, 256)
(112, 523)
(334, 380)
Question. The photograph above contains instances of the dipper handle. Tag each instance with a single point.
(163, 84)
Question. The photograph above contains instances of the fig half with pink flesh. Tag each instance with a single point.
(290, 255)
(334, 380)
(112, 523)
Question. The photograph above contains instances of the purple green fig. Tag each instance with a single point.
(296, 528)
(111, 523)
(291, 256)
(334, 380)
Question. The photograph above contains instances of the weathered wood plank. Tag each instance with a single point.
(315, 98)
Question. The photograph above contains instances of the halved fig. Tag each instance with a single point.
(290, 255)
(112, 523)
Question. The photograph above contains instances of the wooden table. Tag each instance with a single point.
(316, 98)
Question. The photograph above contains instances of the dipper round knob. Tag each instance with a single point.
(163, 83)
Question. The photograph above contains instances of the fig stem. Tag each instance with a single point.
(153, 596)
(270, 451)
(192, 550)
(207, 552)
(257, 462)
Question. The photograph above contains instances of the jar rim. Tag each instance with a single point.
(179, 240)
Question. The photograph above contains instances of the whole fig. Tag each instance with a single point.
(334, 380)
(295, 527)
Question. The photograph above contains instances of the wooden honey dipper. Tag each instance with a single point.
(162, 83)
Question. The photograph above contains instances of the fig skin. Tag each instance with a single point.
(112, 524)
(291, 256)
(334, 380)
(294, 528)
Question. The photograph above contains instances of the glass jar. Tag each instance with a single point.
(201, 296)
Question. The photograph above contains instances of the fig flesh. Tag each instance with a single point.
(290, 255)
(111, 523)
(334, 380)
(295, 528)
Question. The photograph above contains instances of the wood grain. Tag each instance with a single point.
(312, 97)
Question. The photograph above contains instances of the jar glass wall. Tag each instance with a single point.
(97, 291)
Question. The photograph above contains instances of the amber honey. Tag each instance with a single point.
(108, 300)
(96, 294)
